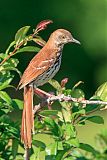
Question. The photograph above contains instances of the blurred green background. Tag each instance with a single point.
(87, 20)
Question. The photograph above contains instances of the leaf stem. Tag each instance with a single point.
(10, 55)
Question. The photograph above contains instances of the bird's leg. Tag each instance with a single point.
(44, 95)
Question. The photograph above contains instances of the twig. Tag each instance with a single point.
(49, 98)
(77, 100)
(16, 48)
(10, 55)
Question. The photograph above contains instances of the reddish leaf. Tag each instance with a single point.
(43, 24)
(63, 82)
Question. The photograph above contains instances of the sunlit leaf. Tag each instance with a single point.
(11, 44)
(39, 144)
(2, 56)
(60, 145)
(12, 62)
(49, 113)
(5, 97)
(18, 104)
(80, 112)
(5, 80)
(67, 92)
(21, 34)
(73, 142)
(28, 49)
(66, 111)
(13, 69)
(102, 92)
(36, 155)
(51, 149)
(69, 131)
(55, 84)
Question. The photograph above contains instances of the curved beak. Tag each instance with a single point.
(75, 41)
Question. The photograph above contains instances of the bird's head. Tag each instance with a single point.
(62, 36)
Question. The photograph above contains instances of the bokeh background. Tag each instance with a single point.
(87, 20)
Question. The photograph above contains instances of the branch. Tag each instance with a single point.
(77, 100)
(41, 26)
(12, 53)
(48, 99)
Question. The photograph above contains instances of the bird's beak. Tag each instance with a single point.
(75, 41)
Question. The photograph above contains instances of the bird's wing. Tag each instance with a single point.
(39, 64)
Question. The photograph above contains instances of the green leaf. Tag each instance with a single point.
(51, 149)
(96, 119)
(5, 80)
(80, 112)
(102, 92)
(91, 107)
(11, 44)
(69, 131)
(53, 126)
(36, 155)
(69, 158)
(88, 148)
(38, 124)
(2, 56)
(21, 34)
(49, 113)
(66, 111)
(39, 144)
(5, 97)
(12, 62)
(77, 93)
(18, 104)
(55, 84)
(67, 92)
(73, 142)
(14, 69)
(14, 147)
(60, 154)
(60, 145)
(28, 49)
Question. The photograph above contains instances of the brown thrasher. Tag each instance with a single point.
(40, 70)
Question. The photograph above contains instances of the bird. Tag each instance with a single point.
(43, 67)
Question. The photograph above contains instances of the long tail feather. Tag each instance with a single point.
(27, 117)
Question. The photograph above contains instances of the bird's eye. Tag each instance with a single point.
(63, 37)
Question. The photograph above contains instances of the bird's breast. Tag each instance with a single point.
(50, 72)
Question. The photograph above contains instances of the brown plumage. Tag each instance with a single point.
(40, 69)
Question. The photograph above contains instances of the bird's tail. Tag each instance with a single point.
(27, 117)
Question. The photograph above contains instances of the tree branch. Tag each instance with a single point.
(77, 100)
(48, 99)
